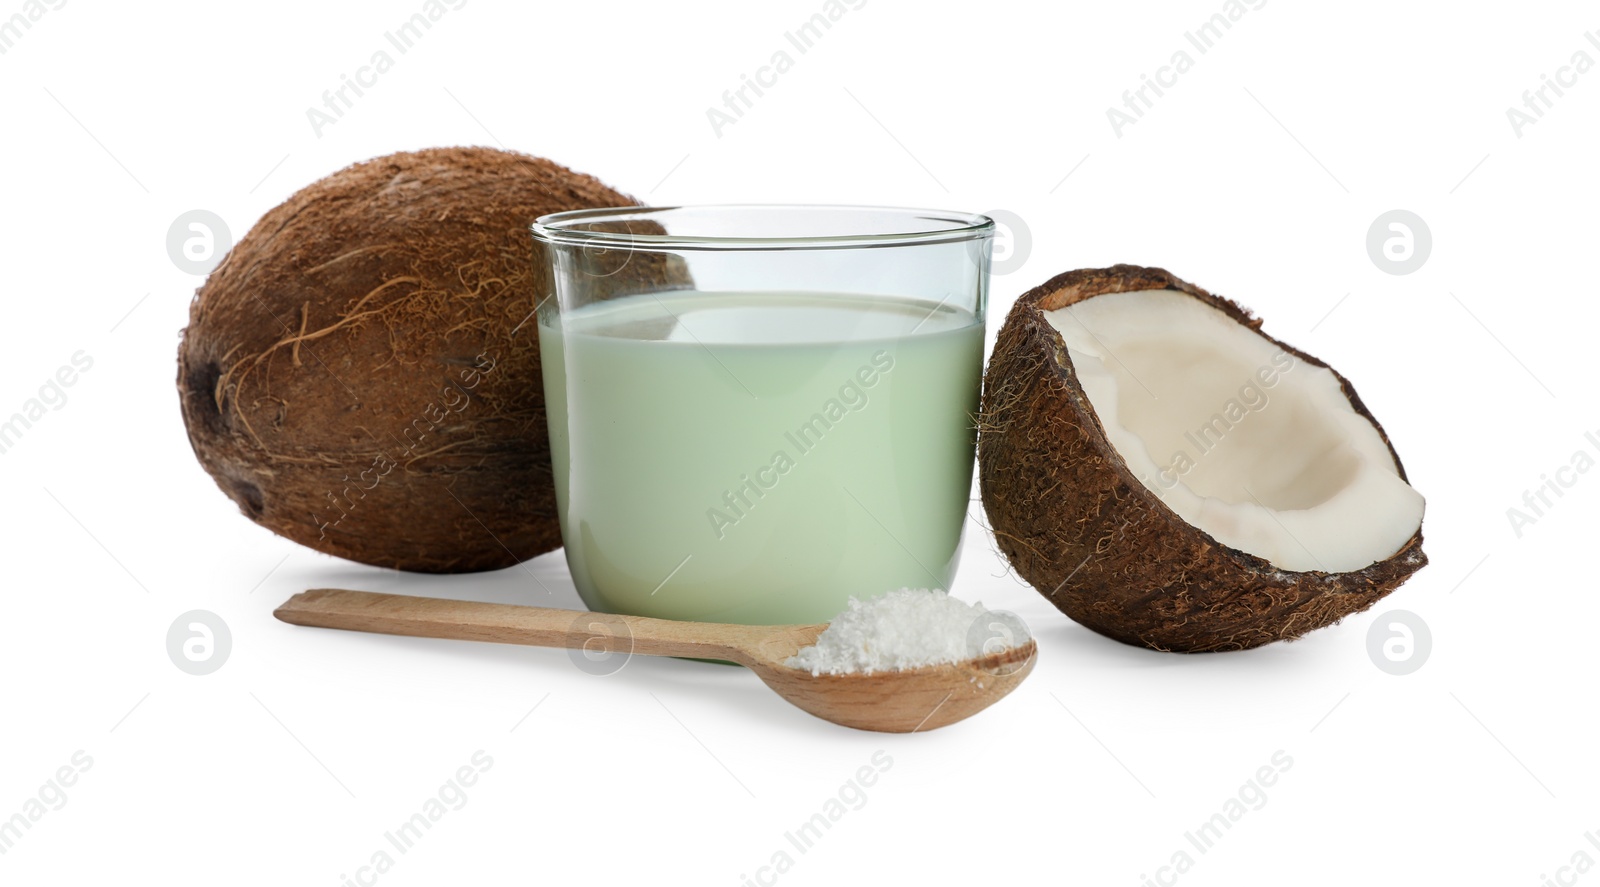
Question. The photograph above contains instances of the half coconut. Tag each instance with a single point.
(1172, 477)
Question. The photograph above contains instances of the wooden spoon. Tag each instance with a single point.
(887, 701)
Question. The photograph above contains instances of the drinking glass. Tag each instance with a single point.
(757, 412)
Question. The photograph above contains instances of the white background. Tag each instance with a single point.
(1257, 175)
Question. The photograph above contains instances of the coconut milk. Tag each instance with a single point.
(759, 458)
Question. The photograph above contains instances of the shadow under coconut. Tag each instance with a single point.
(1063, 637)
(542, 581)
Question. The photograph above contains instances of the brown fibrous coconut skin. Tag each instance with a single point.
(1079, 526)
(361, 374)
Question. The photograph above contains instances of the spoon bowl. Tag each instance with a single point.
(901, 701)
(905, 700)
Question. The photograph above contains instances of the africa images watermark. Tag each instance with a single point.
(1252, 796)
(804, 37)
(402, 839)
(851, 398)
(52, 396)
(1537, 502)
(454, 397)
(1538, 100)
(1252, 397)
(851, 796)
(12, 29)
(52, 796)
(1578, 864)
(403, 38)
(1203, 38)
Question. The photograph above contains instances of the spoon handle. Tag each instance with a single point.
(511, 624)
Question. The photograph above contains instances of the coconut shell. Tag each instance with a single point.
(361, 372)
(1077, 524)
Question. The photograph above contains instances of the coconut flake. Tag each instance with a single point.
(908, 628)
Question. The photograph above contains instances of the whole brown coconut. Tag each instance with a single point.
(1083, 529)
(361, 372)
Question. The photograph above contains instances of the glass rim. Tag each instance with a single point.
(954, 227)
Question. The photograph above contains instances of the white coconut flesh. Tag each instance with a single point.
(1241, 439)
